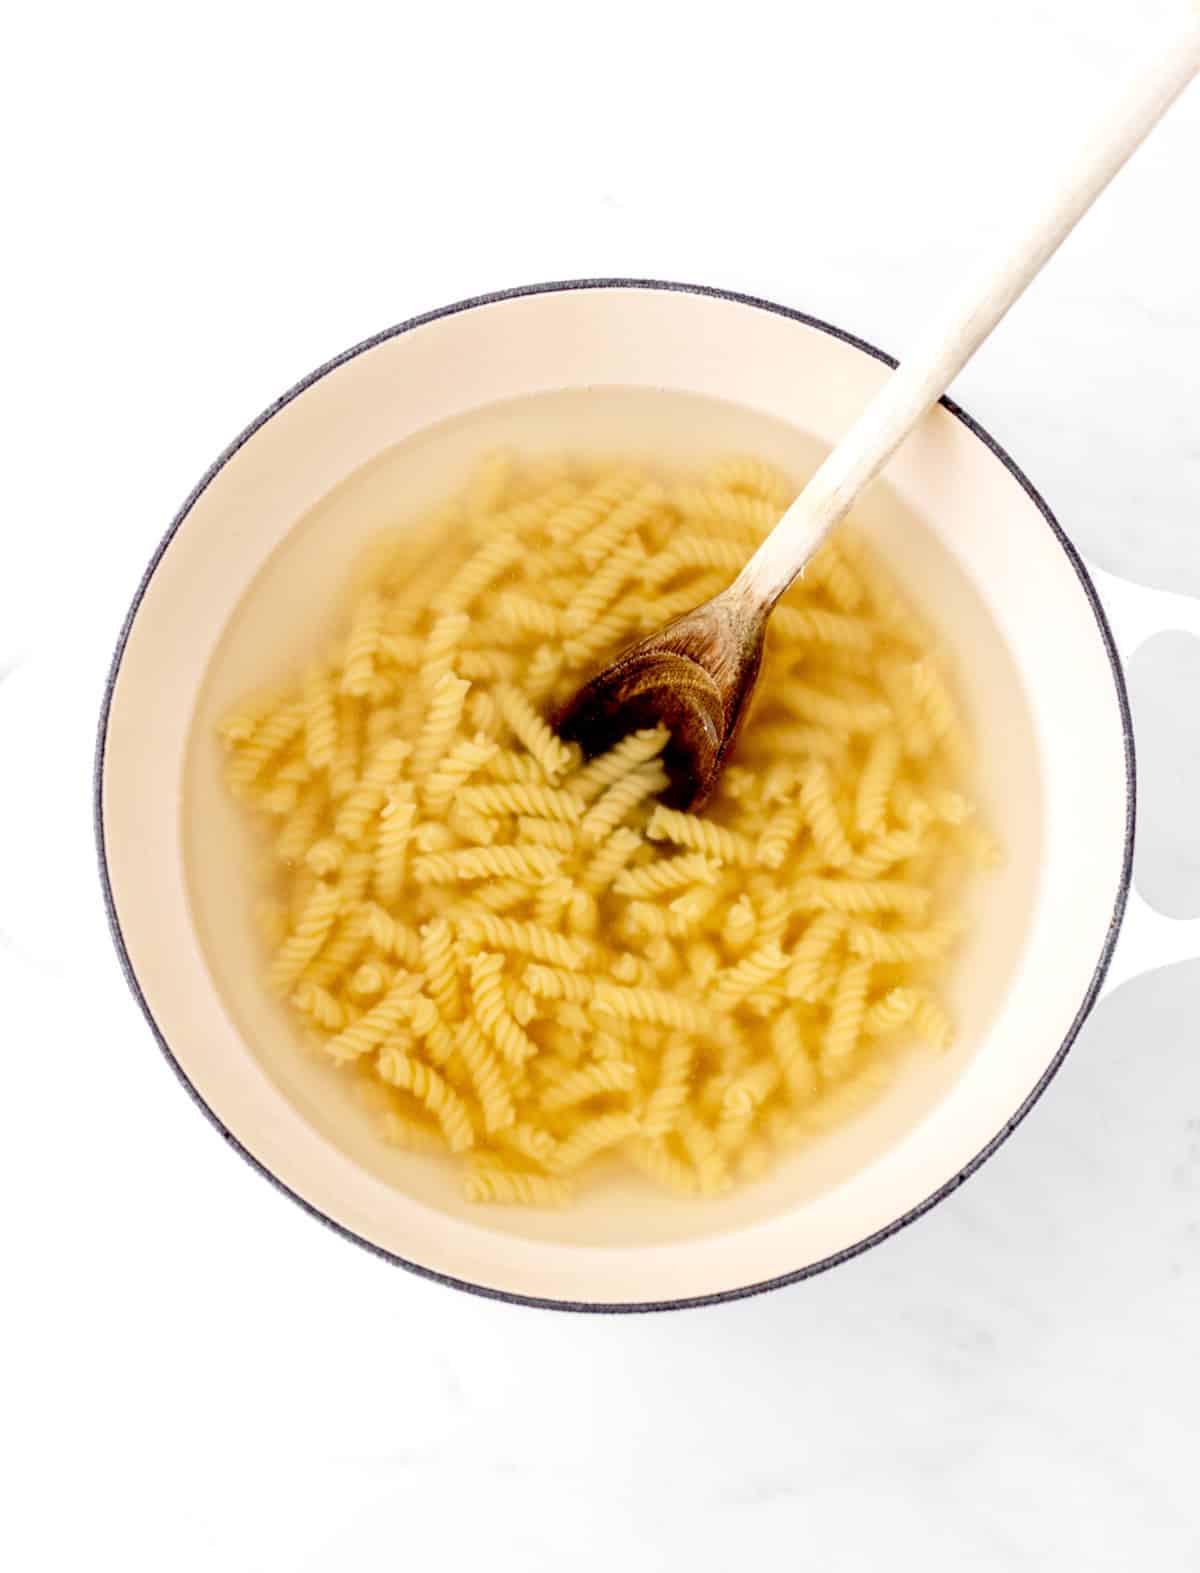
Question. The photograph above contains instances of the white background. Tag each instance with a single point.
(203, 203)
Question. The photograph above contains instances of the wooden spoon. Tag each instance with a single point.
(696, 675)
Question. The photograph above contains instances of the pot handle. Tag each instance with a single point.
(1148, 939)
(15, 666)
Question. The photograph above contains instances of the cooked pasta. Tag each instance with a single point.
(521, 958)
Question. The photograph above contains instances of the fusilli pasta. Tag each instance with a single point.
(518, 957)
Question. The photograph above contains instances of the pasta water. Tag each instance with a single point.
(492, 954)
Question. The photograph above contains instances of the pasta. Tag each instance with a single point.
(525, 962)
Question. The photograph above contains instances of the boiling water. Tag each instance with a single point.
(293, 604)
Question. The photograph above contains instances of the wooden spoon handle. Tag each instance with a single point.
(957, 332)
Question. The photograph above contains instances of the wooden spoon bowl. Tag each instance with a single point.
(693, 677)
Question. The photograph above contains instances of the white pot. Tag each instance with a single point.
(979, 549)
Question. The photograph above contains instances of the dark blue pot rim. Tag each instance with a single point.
(1089, 998)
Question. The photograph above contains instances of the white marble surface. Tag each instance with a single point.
(207, 203)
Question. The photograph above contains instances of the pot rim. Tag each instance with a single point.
(777, 1281)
